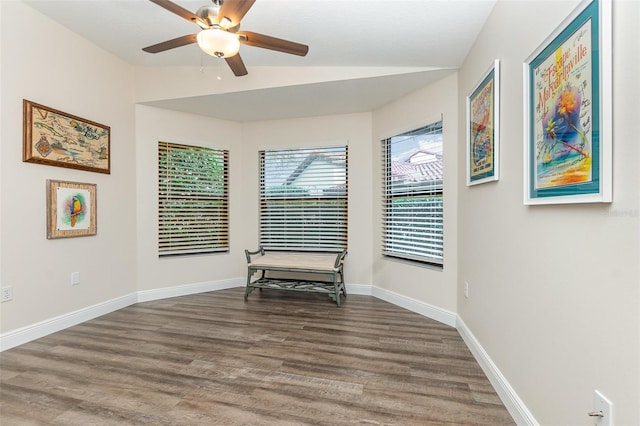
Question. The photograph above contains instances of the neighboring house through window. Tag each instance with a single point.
(412, 195)
(303, 199)
(193, 203)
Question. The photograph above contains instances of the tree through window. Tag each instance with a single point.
(192, 199)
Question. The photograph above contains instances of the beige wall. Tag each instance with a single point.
(71, 75)
(243, 142)
(351, 129)
(153, 125)
(432, 286)
(554, 289)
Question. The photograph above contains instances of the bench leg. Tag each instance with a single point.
(249, 289)
(344, 285)
(336, 288)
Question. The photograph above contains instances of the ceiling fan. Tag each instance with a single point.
(219, 35)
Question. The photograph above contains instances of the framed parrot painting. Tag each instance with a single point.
(567, 84)
(71, 209)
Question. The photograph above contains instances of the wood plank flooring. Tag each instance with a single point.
(281, 358)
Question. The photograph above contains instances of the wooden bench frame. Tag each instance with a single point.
(297, 262)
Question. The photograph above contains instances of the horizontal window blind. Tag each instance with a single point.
(303, 199)
(192, 199)
(412, 199)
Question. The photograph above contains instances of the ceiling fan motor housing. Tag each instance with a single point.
(209, 14)
(219, 36)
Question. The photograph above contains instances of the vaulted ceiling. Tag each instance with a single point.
(409, 44)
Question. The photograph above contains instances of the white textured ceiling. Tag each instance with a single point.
(420, 34)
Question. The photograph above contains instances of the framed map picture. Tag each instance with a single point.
(567, 84)
(58, 139)
(483, 128)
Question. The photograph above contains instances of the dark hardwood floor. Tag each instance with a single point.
(281, 358)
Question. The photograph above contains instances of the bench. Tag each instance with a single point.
(329, 265)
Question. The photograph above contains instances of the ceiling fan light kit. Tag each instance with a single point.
(218, 42)
(219, 36)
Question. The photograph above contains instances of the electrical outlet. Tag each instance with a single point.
(6, 294)
(75, 278)
(602, 405)
(466, 290)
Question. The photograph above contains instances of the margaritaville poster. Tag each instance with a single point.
(481, 131)
(562, 107)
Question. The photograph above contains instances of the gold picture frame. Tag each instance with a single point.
(59, 139)
(71, 209)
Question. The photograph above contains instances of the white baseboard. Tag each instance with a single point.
(362, 289)
(442, 315)
(507, 394)
(26, 334)
(516, 407)
(183, 290)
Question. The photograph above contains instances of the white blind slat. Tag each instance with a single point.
(192, 199)
(303, 198)
(412, 195)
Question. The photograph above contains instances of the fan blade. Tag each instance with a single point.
(236, 65)
(234, 10)
(267, 42)
(181, 12)
(171, 44)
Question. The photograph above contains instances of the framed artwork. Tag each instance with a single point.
(59, 139)
(71, 209)
(483, 128)
(567, 111)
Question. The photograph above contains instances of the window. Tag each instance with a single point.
(192, 199)
(412, 195)
(303, 199)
